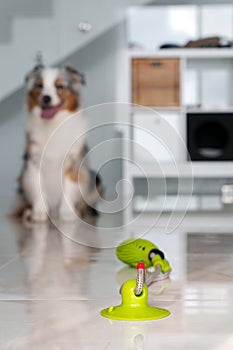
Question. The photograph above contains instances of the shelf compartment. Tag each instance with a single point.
(169, 194)
(210, 136)
(156, 82)
(168, 204)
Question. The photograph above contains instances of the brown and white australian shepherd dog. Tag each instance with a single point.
(55, 177)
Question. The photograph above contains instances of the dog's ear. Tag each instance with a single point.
(75, 77)
(33, 75)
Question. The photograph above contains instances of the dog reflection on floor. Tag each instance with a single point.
(57, 284)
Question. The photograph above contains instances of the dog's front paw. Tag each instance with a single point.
(39, 216)
(67, 214)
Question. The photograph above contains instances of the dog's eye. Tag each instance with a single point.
(60, 87)
(39, 85)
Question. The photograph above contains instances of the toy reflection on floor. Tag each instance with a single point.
(133, 251)
(134, 306)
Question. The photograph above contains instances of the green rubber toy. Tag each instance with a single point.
(131, 251)
(134, 308)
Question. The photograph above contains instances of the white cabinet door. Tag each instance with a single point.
(158, 136)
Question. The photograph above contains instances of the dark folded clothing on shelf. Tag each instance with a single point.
(214, 41)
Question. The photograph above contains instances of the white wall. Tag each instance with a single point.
(18, 57)
(11, 151)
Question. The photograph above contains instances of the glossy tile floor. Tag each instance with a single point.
(52, 288)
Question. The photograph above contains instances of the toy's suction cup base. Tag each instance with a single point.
(140, 314)
(134, 308)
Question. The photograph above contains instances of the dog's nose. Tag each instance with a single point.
(46, 99)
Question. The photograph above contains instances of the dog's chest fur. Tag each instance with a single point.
(56, 146)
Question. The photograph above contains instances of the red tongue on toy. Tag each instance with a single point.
(49, 113)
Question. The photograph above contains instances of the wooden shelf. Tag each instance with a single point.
(137, 108)
(209, 110)
(183, 53)
(186, 169)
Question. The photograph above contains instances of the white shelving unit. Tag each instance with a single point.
(142, 118)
